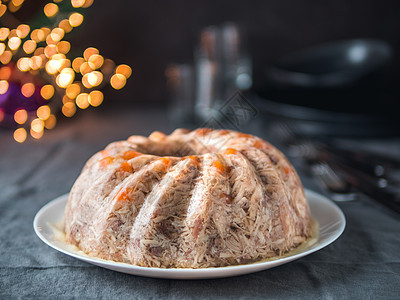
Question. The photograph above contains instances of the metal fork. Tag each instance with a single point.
(338, 189)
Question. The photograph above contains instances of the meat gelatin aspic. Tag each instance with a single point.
(191, 199)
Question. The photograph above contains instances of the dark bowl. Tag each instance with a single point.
(331, 65)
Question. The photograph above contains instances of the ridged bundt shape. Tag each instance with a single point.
(194, 199)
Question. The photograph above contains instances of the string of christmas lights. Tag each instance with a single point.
(36, 65)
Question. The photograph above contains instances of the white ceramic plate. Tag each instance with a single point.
(329, 217)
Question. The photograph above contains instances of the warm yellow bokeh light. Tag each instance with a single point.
(97, 60)
(77, 3)
(124, 70)
(95, 78)
(3, 87)
(50, 50)
(89, 52)
(39, 35)
(73, 90)
(76, 64)
(39, 51)
(43, 112)
(52, 66)
(17, 2)
(50, 123)
(23, 30)
(65, 78)
(65, 25)
(87, 3)
(5, 57)
(69, 109)
(3, 9)
(85, 81)
(12, 8)
(96, 98)
(86, 67)
(57, 34)
(2, 115)
(63, 47)
(50, 10)
(14, 43)
(2, 48)
(13, 33)
(5, 73)
(36, 134)
(29, 46)
(20, 135)
(4, 32)
(82, 100)
(35, 62)
(47, 91)
(20, 116)
(118, 81)
(45, 31)
(66, 99)
(23, 64)
(75, 19)
(37, 125)
(50, 41)
(28, 89)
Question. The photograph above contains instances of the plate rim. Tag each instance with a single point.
(189, 273)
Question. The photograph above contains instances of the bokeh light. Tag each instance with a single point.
(37, 125)
(20, 116)
(4, 32)
(3, 9)
(73, 90)
(23, 30)
(5, 73)
(118, 81)
(89, 52)
(35, 62)
(77, 3)
(65, 25)
(29, 46)
(57, 34)
(3, 86)
(5, 57)
(76, 64)
(82, 100)
(97, 60)
(50, 10)
(45, 53)
(96, 98)
(14, 43)
(36, 134)
(65, 78)
(63, 47)
(124, 70)
(69, 109)
(86, 67)
(50, 123)
(47, 91)
(23, 64)
(43, 112)
(20, 135)
(28, 89)
(75, 19)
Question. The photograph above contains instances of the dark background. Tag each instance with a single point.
(149, 35)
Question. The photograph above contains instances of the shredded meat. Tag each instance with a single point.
(192, 199)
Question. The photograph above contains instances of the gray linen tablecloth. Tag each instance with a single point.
(363, 263)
